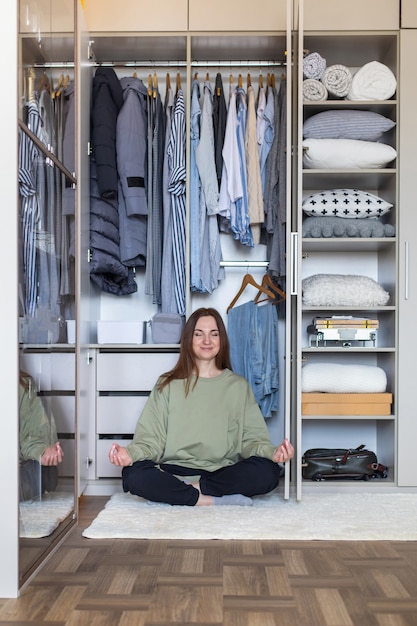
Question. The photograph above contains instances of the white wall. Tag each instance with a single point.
(9, 541)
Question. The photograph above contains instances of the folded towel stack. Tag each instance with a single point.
(337, 79)
(314, 66)
(314, 90)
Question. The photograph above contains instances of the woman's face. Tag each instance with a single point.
(206, 338)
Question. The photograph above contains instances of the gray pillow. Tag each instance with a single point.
(347, 124)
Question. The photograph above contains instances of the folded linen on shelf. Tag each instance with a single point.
(373, 81)
(337, 79)
(314, 90)
(314, 65)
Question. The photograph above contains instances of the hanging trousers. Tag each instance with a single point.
(159, 482)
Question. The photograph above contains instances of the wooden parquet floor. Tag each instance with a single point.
(122, 582)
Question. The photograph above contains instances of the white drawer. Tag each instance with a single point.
(132, 372)
(105, 469)
(118, 414)
(63, 409)
(50, 371)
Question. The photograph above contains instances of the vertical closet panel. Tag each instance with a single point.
(407, 425)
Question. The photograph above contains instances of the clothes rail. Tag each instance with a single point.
(57, 65)
(244, 263)
(174, 64)
(47, 153)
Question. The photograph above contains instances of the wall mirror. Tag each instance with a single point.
(47, 303)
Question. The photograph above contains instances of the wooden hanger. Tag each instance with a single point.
(43, 83)
(168, 81)
(57, 92)
(248, 279)
(268, 283)
(178, 81)
(249, 81)
(149, 84)
(155, 85)
(240, 81)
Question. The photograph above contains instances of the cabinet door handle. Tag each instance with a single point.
(406, 270)
(294, 264)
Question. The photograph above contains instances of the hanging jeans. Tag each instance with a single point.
(253, 336)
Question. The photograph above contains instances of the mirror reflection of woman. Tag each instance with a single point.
(40, 450)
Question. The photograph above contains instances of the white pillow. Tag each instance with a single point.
(346, 153)
(343, 290)
(347, 124)
(351, 203)
(342, 378)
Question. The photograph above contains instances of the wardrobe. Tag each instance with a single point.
(183, 40)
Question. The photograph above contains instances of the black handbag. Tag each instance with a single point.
(341, 463)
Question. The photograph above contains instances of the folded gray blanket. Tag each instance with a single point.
(314, 65)
(337, 79)
(314, 90)
(329, 226)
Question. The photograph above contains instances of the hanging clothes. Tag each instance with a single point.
(107, 271)
(106, 104)
(265, 129)
(176, 187)
(156, 135)
(231, 185)
(29, 156)
(209, 237)
(194, 191)
(67, 287)
(168, 302)
(254, 183)
(242, 207)
(219, 124)
(253, 337)
(275, 196)
(131, 146)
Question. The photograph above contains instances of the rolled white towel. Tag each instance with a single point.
(314, 65)
(337, 79)
(373, 81)
(314, 90)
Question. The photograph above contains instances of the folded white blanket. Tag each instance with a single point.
(314, 90)
(373, 81)
(342, 378)
(314, 65)
(337, 79)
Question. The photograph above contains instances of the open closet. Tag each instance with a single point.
(97, 378)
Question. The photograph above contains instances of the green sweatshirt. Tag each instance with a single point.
(37, 430)
(215, 425)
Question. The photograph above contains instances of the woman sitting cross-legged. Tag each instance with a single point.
(201, 438)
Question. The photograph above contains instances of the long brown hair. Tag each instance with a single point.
(186, 365)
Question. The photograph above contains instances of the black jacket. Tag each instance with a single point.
(106, 104)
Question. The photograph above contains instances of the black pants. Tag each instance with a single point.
(36, 479)
(159, 483)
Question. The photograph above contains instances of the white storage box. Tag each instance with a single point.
(119, 331)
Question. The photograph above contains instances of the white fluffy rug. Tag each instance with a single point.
(39, 518)
(364, 516)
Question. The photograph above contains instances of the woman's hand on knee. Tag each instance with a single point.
(284, 452)
(119, 455)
